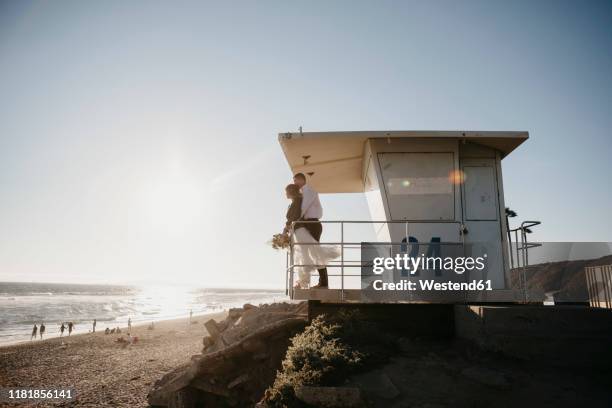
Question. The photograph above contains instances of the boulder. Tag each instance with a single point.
(207, 341)
(234, 313)
(213, 329)
(376, 383)
(330, 397)
(486, 376)
(237, 381)
(223, 325)
(253, 317)
(237, 365)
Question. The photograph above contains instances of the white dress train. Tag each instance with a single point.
(313, 256)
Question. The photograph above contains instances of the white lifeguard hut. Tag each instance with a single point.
(442, 187)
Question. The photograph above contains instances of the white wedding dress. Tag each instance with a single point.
(312, 256)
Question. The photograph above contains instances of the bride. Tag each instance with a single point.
(308, 253)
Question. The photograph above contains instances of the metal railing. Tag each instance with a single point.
(521, 250)
(518, 250)
(599, 285)
(522, 246)
(343, 262)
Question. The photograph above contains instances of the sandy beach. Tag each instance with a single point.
(102, 371)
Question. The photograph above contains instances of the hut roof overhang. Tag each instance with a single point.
(335, 159)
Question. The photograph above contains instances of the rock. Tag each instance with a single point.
(235, 334)
(234, 313)
(223, 325)
(330, 397)
(252, 319)
(254, 345)
(213, 329)
(239, 380)
(261, 356)
(166, 388)
(185, 398)
(207, 341)
(376, 383)
(302, 308)
(227, 375)
(209, 386)
(486, 376)
(405, 345)
(248, 306)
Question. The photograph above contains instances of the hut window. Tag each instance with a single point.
(418, 186)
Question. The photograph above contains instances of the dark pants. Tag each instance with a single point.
(316, 229)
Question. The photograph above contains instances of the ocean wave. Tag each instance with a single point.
(111, 306)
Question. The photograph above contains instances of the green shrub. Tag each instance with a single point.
(325, 353)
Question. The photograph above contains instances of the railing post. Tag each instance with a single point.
(524, 245)
(606, 272)
(524, 269)
(291, 262)
(341, 261)
(589, 278)
(408, 249)
(516, 247)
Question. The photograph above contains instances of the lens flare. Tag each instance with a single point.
(456, 177)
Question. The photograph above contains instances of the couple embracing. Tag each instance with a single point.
(308, 253)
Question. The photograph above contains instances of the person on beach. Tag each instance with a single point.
(70, 326)
(308, 253)
(311, 210)
(94, 325)
(62, 328)
(129, 324)
(107, 331)
(34, 332)
(190, 315)
(42, 329)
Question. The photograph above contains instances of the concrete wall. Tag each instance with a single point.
(565, 336)
(559, 335)
(420, 319)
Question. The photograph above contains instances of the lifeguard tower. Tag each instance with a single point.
(433, 189)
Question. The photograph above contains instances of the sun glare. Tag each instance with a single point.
(174, 203)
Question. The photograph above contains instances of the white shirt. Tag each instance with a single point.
(311, 206)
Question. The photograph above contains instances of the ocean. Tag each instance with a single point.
(24, 304)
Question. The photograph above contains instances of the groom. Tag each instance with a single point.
(312, 211)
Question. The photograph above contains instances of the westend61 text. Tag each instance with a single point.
(433, 285)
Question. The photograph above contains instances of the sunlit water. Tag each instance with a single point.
(24, 304)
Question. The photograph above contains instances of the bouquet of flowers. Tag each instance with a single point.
(280, 241)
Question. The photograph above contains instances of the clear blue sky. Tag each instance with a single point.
(138, 139)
